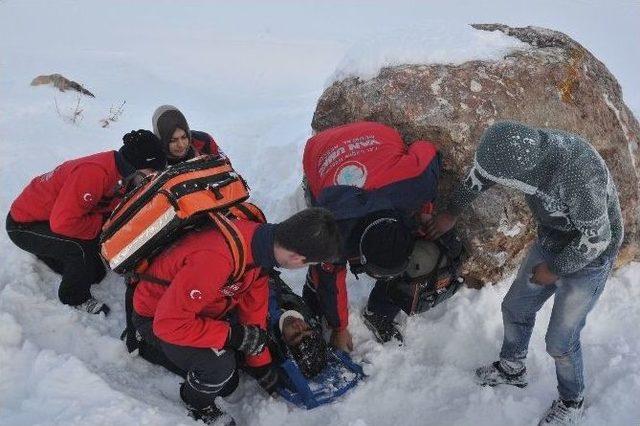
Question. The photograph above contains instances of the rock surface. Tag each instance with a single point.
(555, 82)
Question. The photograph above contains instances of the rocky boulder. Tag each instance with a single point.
(554, 82)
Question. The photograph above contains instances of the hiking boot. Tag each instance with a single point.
(211, 415)
(94, 307)
(563, 413)
(494, 374)
(382, 327)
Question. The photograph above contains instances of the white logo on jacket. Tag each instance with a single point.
(352, 173)
(195, 294)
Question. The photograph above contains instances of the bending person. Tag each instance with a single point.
(573, 198)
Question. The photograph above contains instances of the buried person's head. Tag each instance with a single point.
(306, 344)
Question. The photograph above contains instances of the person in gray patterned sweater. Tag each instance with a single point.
(575, 202)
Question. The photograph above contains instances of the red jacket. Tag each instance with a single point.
(357, 169)
(75, 197)
(365, 154)
(191, 310)
(203, 143)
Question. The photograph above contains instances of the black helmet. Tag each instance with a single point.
(385, 245)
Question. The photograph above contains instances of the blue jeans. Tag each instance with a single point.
(575, 296)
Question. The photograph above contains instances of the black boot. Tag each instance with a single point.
(211, 414)
(383, 328)
(93, 306)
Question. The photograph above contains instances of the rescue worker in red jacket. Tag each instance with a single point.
(200, 319)
(59, 215)
(378, 189)
(179, 142)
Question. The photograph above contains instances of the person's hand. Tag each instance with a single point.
(249, 339)
(542, 275)
(140, 136)
(268, 377)
(440, 224)
(341, 339)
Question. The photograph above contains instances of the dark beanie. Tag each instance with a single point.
(385, 245)
(509, 149)
(166, 119)
(143, 150)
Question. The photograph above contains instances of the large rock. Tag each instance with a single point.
(554, 83)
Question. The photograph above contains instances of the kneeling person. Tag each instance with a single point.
(430, 277)
(59, 215)
(188, 319)
(379, 190)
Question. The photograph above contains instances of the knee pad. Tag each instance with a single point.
(198, 393)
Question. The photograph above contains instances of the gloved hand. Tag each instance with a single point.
(140, 136)
(249, 339)
(268, 377)
(143, 150)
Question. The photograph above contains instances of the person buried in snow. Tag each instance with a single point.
(59, 215)
(572, 196)
(200, 323)
(379, 191)
(294, 329)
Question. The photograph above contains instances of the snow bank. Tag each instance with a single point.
(435, 42)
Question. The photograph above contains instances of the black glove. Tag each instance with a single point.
(268, 377)
(249, 339)
(139, 136)
(143, 150)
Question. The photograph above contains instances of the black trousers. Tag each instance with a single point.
(78, 261)
(149, 346)
(208, 373)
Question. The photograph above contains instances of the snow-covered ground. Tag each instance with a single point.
(250, 74)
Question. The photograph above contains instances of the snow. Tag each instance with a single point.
(434, 42)
(250, 73)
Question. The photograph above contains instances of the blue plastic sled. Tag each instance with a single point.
(340, 375)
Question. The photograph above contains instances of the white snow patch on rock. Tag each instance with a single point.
(440, 42)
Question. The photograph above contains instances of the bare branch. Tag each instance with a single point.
(114, 115)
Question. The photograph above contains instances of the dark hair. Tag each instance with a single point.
(310, 354)
(312, 233)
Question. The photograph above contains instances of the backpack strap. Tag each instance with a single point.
(235, 241)
(248, 211)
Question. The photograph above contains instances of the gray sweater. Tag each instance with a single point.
(567, 186)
